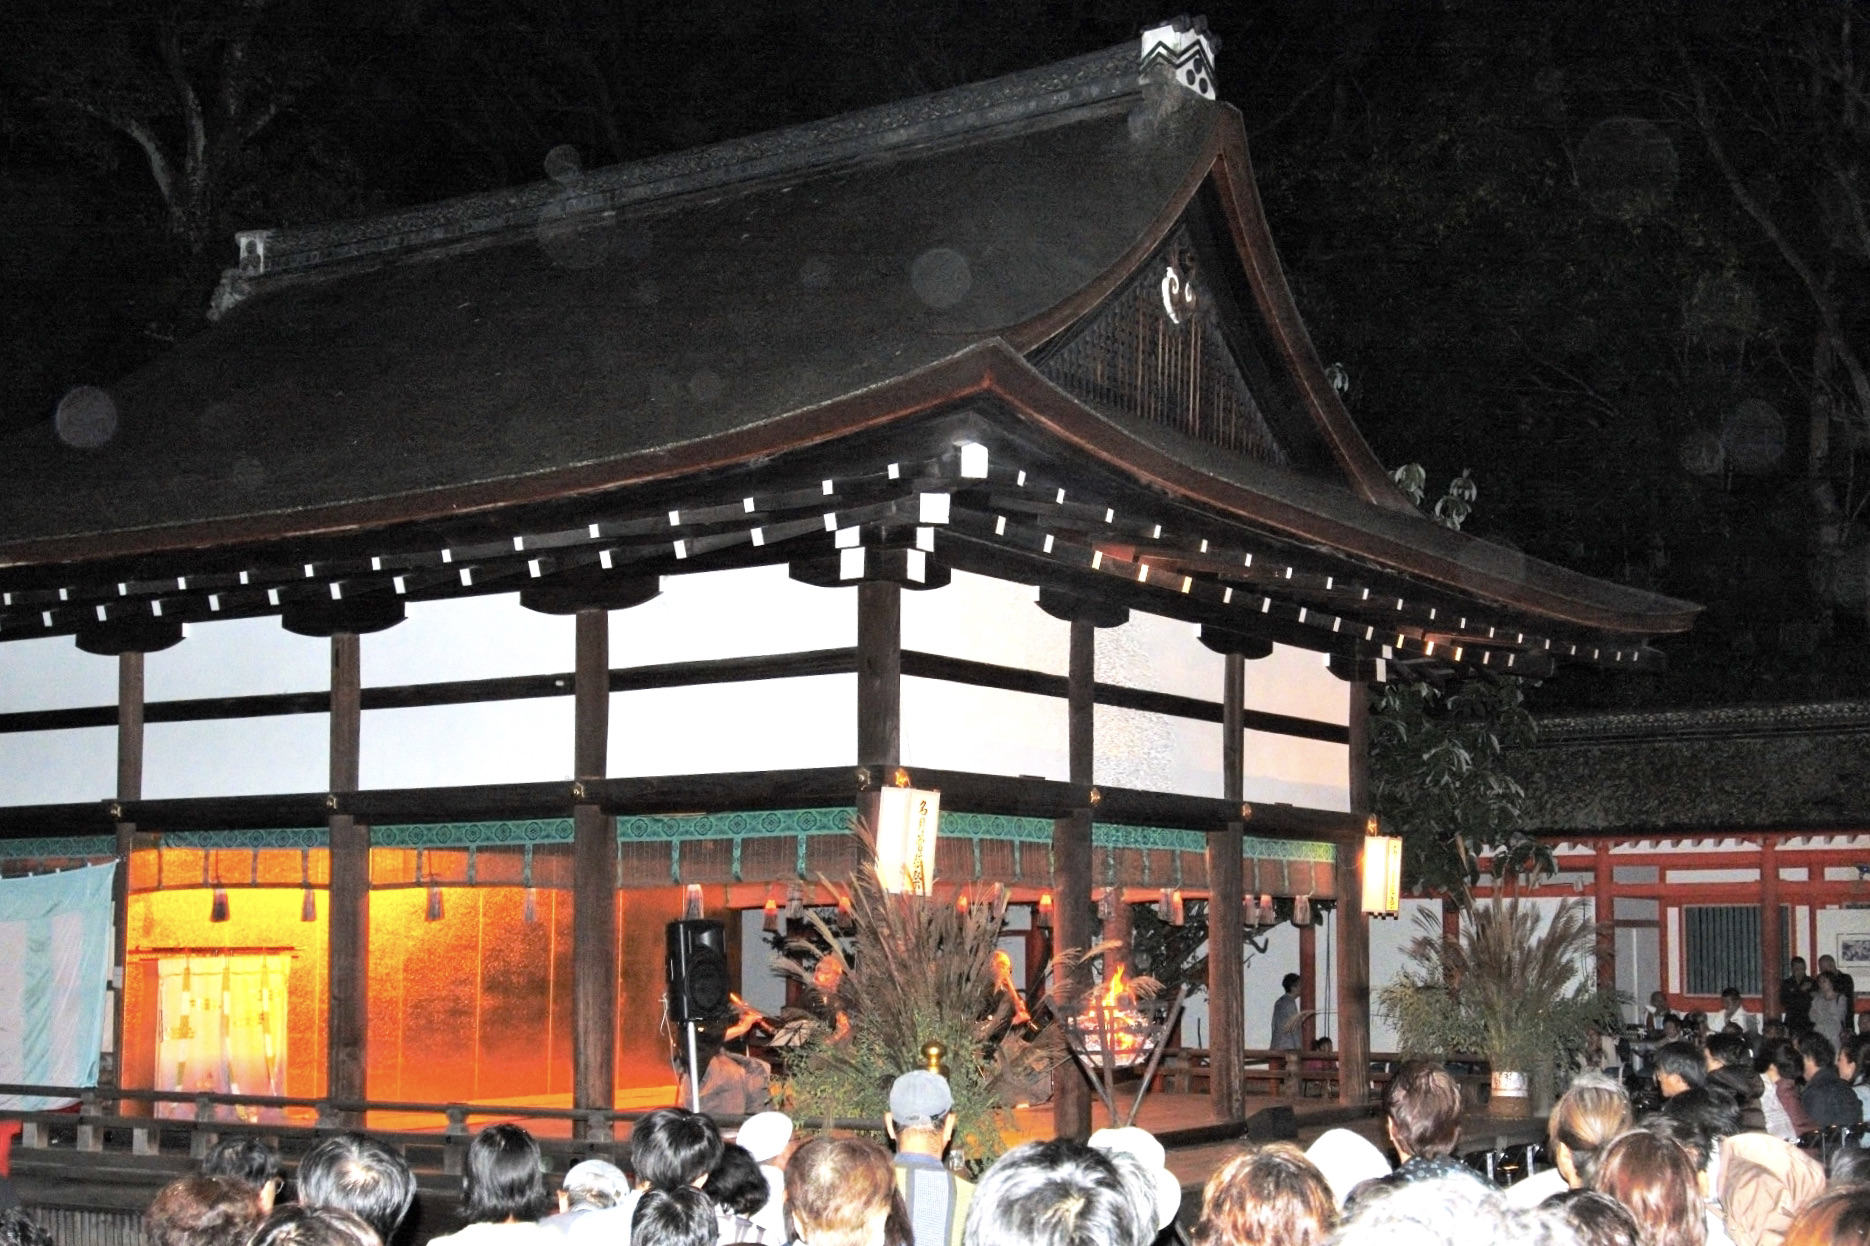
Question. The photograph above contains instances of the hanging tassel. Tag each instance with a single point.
(308, 906)
(435, 902)
(532, 908)
(1267, 916)
(769, 915)
(1163, 908)
(795, 902)
(1302, 911)
(1178, 911)
(217, 908)
(1107, 904)
(691, 902)
(1044, 912)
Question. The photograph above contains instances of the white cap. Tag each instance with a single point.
(1347, 1160)
(765, 1135)
(1141, 1145)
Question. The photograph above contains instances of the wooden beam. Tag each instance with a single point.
(1772, 952)
(1353, 927)
(1226, 907)
(594, 882)
(346, 1052)
(129, 788)
(1604, 905)
(879, 672)
(1071, 866)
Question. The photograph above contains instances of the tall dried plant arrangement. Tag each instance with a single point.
(1510, 986)
(922, 970)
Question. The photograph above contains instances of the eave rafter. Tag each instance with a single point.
(964, 505)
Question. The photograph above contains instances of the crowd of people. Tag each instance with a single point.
(1705, 1170)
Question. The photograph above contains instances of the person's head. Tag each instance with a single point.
(1849, 1165)
(1711, 1114)
(503, 1180)
(1838, 1218)
(1849, 1062)
(349, 1172)
(1061, 1193)
(1689, 1134)
(1269, 1196)
(920, 1118)
(295, 1224)
(840, 1192)
(1322, 1043)
(1596, 1219)
(1423, 1107)
(1679, 1067)
(1773, 1028)
(249, 1160)
(1438, 1211)
(594, 1184)
(682, 1216)
(674, 1147)
(1655, 1181)
(1730, 998)
(18, 1228)
(1658, 1001)
(736, 1184)
(1728, 1051)
(1815, 1052)
(1783, 1062)
(1798, 966)
(1290, 983)
(1827, 964)
(1671, 1028)
(1583, 1122)
(202, 1211)
(766, 1136)
(1827, 985)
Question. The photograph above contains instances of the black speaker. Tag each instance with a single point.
(697, 970)
(1273, 1125)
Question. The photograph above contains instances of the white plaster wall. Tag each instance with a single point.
(1160, 654)
(237, 757)
(468, 638)
(1261, 974)
(237, 658)
(748, 612)
(58, 767)
(54, 674)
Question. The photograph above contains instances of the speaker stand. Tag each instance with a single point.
(694, 1074)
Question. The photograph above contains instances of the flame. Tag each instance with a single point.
(1113, 990)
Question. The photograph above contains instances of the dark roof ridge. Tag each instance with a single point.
(1725, 721)
(958, 111)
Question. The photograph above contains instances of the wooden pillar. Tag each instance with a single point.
(1772, 954)
(1071, 867)
(1353, 927)
(349, 947)
(879, 674)
(1605, 902)
(1119, 928)
(594, 883)
(1227, 1022)
(129, 788)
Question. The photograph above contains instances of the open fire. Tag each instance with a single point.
(1113, 1015)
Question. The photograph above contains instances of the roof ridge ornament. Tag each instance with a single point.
(1181, 49)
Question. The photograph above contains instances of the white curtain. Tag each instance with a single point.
(222, 1029)
(55, 944)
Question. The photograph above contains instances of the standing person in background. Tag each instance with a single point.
(1288, 1021)
(1847, 985)
(921, 1123)
(1795, 997)
(1655, 1013)
(1827, 1011)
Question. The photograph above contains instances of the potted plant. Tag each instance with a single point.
(1513, 985)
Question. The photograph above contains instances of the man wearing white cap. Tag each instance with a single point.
(921, 1123)
(766, 1136)
(1140, 1144)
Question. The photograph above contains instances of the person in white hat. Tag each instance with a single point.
(767, 1136)
(1141, 1144)
(921, 1123)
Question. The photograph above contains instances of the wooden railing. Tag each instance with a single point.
(104, 1119)
(1301, 1074)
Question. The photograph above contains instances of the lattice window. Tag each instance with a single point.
(1722, 946)
(1157, 353)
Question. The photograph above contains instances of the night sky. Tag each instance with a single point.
(1613, 259)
